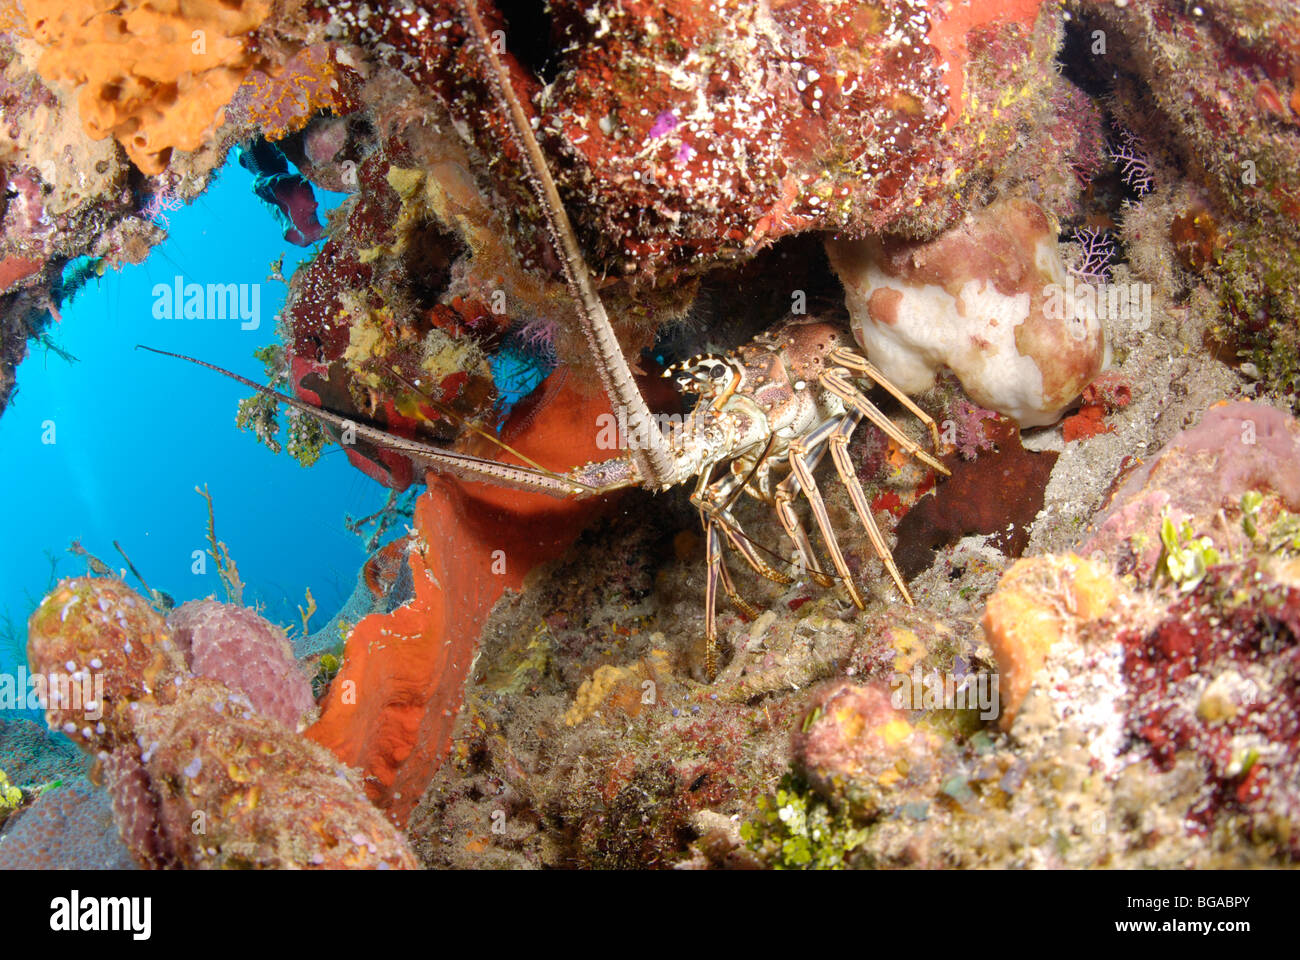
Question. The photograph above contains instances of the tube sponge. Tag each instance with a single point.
(978, 299)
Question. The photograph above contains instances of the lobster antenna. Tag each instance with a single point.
(462, 465)
(652, 457)
(118, 547)
(446, 411)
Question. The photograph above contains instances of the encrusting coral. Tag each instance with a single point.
(884, 120)
(68, 827)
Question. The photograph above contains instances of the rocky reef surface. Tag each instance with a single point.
(1068, 230)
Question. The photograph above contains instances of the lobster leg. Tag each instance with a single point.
(837, 383)
(804, 454)
(716, 567)
(729, 587)
(839, 443)
(712, 564)
(717, 571)
(860, 364)
(712, 517)
(716, 501)
(795, 531)
(784, 496)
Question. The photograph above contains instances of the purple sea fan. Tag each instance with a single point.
(1097, 250)
(1133, 161)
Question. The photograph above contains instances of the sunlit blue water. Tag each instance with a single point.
(134, 433)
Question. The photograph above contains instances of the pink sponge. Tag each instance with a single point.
(246, 653)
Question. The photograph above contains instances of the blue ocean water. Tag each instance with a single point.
(134, 433)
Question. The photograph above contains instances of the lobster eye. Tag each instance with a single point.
(719, 371)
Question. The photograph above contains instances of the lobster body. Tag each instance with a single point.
(786, 398)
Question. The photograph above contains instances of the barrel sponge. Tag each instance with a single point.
(69, 827)
(246, 653)
(155, 74)
(983, 299)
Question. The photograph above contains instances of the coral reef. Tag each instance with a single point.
(1235, 448)
(584, 740)
(1099, 669)
(866, 119)
(198, 777)
(277, 105)
(64, 196)
(1206, 86)
(33, 757)
(68, 827)
(1037, 600)
(855, 748)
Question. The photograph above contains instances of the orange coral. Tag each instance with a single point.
(16, 269)
(11, 18)
(391, 708)
(1039, 601)
(155, 74)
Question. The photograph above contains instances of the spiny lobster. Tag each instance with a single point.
(788, 396)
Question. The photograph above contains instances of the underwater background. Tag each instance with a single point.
(118, 469)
